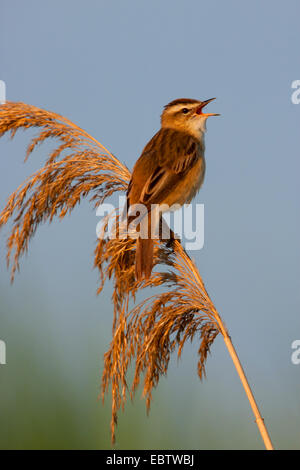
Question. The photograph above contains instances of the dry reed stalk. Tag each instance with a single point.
(150, 331)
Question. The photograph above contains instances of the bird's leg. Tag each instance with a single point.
(165, 229)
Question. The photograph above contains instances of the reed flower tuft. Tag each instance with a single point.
(146, 334)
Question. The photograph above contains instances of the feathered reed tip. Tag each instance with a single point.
(55, 189)
(154, 328)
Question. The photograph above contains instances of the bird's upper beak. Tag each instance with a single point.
(202, 105)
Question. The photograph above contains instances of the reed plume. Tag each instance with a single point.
(148, 333)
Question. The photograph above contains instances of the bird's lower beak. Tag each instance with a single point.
(202, 105)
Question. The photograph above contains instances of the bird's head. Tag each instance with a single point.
(186, 115)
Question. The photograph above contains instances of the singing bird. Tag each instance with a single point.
(170, 170)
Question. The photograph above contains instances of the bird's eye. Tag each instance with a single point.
(185, 110)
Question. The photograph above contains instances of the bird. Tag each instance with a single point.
(169, 172)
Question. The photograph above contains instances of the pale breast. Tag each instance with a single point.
(190, 184)
(197, 178)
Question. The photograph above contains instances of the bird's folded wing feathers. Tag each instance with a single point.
(166, 176)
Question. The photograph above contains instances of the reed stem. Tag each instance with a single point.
(258, 418)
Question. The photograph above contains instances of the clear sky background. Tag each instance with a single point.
(110, 67)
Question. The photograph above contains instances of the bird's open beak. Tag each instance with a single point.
(202, 105)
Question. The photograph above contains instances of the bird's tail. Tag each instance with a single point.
(145, 245)
(143, 258)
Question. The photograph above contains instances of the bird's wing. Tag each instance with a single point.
(170, 170)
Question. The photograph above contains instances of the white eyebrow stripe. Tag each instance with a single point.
(179, 106)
